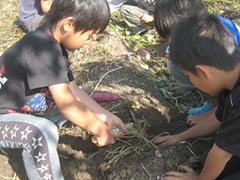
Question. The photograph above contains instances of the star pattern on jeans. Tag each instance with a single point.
(36, 142)
(25, 133)
(31, 136)
(43, 168)
(5, 131)
(47, 177)
(40, 157)
(14, 131)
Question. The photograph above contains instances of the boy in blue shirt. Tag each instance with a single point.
(37, 89)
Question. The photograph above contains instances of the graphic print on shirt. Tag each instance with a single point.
(41, 102)
(3, 79)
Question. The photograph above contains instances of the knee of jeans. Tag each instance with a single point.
(124, 10)
(50, 132)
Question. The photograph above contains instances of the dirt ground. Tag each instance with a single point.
(141, 103)
(113, 66)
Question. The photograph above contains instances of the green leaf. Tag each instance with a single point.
(86, 61)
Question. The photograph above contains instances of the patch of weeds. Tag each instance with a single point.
(138, 41)
(227, 8)
(10, 32)
(134, 40)
(182, 101)
(134, 140)
(135, 104)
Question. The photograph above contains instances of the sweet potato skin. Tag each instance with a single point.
(105, 96)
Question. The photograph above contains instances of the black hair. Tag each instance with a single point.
(167, 13)
(87, 14)
(203, 40)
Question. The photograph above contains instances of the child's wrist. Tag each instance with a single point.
(179, 137)
(102, 130)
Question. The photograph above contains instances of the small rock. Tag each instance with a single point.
(158, 154)
(78, 155)
(123, 173)
(117, 178)
(195, 159)
(129, 171)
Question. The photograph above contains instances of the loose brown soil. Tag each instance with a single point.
(142, 103)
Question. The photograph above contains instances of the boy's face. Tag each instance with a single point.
(205, 82)
(74, 40)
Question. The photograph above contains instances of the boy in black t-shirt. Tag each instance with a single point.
(37, 89)
(210, 57)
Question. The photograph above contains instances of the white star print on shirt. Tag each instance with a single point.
(25, 133)
(43, 168)
(40, 157)
(14, 131)
(5, 131)
(37, 142)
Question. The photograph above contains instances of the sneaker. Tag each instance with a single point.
(201, 110)
(151, 32)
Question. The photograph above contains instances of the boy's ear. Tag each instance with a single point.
(203, 71)
(68, 24)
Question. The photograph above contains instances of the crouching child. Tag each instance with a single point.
(210, 57)
(38, 93)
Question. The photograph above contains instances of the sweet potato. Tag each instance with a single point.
(105, 96)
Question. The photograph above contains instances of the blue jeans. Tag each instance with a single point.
(38, 137)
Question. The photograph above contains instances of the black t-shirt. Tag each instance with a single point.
(228, 112)
(27, 69)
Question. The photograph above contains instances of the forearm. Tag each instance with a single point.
(216, 160)
(203, 128)
(104, 115)
(85, 99)
(82, 116)
(76, 111)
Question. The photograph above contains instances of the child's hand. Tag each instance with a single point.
(45, 5)
(147, 18)
(105, 139)
(173, 175)
(166, 140)
(112, 122)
